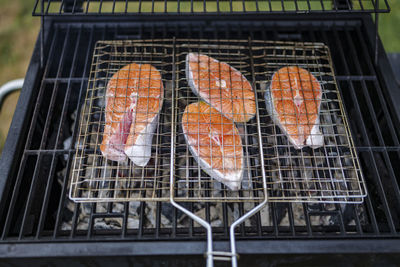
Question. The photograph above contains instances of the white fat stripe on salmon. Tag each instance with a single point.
(140, 152)
(141, 131)
(296, 90)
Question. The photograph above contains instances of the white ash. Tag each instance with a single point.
(113, 223)
(83, 225)
(151, 211)
(217, 223)
(66, 226)
(66, 145)
(133, 222)
(265, 216)
(110, 224)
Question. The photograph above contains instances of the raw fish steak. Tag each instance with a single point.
(293, 99)
(134, 99)
(214, 142)
(222, 86)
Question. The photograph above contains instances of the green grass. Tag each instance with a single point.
(389, 28)
(18, 32)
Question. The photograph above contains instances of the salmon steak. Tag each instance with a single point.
(134, 97)
(214, 142)
(222, 86)
(294, 99)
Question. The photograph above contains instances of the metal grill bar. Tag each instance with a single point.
(316, 223)
(75, 129)
(356, 99)
(52, 164)
(10, 212)
(201, 7)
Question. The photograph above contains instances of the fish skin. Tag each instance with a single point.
(304, 96)
(233, 96)
(215, 143)
(134, 98)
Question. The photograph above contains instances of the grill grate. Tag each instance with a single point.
(167, 7)
(37, 209)
(327, 174)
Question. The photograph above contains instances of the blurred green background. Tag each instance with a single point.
(19, 30)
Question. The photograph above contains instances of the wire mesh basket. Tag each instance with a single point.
(271, 163)
(96, 177)
(191, 181)
(329, 172)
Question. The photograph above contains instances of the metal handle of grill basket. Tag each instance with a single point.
(220, 255)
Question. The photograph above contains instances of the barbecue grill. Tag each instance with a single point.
(41, 162)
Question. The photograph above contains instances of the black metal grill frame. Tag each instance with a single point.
(28, 163)
(204, 7)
